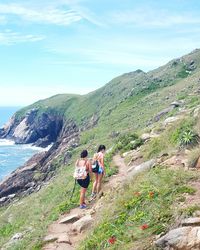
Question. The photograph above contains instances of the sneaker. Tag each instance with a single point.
(93, 195)
(83, 206)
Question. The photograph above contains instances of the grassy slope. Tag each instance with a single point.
(131, 114)
(141, 210)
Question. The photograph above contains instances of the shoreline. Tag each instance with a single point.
(4, 143)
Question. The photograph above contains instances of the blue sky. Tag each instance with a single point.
(76, 46)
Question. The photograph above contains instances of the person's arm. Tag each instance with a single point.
(101, 161)
(89, 166)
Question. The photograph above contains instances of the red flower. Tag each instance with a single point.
(112, 240)
(151, 194)
(145, 226)
(137, 194)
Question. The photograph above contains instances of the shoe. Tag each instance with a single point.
(83, 206)
(93, 195)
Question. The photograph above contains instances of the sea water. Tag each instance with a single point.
(12, 156)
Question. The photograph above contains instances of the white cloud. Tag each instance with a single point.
(149, 17)
(8, 38)
(47, 14)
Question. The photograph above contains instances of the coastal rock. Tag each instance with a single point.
(40, 129)
(39, 169)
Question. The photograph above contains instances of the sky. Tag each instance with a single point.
(75, 46)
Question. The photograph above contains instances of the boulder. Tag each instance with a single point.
(11, 196)
(183, 238)
(176, 104)
(140, 168)
(162, 113)
(70, 219)
(170, 120)
(83, 223)
(17, 236)
(3, 199)
(191, 221)
(145, 136)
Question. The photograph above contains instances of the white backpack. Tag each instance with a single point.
(80, 172)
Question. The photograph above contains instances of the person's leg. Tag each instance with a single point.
(94, 188)
(82, 196)
(99, 181)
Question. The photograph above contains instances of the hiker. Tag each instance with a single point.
(81, 174)
(98, 169)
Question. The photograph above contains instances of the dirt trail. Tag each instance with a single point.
(67, 236)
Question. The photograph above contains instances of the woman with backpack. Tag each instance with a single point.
(98, 169)
(81, 174)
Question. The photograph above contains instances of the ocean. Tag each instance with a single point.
(11, 155)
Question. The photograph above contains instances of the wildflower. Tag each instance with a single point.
(151, 194)
(144, 226)
(112, 240)
(137, 194)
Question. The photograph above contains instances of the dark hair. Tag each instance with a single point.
(84, 153)
(101, 147)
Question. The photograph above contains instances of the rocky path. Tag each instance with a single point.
(72, 227)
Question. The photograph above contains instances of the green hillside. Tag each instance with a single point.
(126, 104)
(127, 88)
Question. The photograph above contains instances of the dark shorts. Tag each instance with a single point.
(84, 183)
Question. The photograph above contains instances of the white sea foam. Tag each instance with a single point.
(30, 146)
(5, 142)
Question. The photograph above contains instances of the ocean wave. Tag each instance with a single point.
(31, 146)
(5, 142)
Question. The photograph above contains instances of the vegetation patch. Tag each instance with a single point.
(141, 210)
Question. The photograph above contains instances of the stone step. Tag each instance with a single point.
(83, 223)
(70, 219)
(195, 221)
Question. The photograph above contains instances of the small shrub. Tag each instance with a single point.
(194, 101)
(183, 73)
(154, 147)
(188, 138)
(184, 134)
(128, 142)
(185, 190)
(189, 211)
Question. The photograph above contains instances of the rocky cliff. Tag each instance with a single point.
(40, 130)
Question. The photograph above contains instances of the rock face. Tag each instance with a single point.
(184, 238)
(39, 129)
(40, 168)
